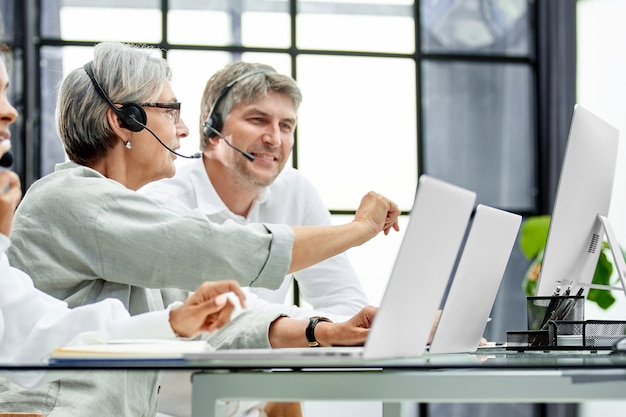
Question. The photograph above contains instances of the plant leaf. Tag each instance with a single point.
(533, 235)
(602, 276)
(532, 275)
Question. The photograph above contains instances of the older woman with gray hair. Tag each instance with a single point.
(84, 234)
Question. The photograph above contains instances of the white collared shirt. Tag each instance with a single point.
(330, 287)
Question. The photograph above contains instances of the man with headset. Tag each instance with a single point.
(247, 124)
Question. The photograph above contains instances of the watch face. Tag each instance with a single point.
(310, 330)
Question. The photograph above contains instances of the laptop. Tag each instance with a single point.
(475, 284)
(423, 266)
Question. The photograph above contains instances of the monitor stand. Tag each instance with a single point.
(616, 251)
(618, 258)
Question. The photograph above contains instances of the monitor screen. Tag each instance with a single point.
(575, 235)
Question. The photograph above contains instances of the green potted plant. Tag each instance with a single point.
(533, 236)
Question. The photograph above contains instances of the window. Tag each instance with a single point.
(392, 88)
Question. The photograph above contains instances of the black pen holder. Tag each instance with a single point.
(542, 313)
(541, 310)
(558, 323)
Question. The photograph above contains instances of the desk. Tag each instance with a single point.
(490, 376)
(527, 377)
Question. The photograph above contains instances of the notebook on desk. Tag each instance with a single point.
(424, 263)
(476, 281)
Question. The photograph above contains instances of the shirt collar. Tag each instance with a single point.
(207, 198)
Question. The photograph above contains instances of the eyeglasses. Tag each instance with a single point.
(173, 109)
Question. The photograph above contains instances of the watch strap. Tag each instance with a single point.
(310, 329)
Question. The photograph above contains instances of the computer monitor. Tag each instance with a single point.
(584, 191)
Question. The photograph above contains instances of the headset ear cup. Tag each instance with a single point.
(133, 117)
(217, 122)
(214, 121)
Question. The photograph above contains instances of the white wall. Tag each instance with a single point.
(602, 89)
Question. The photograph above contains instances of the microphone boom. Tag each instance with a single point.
(245, 154)
(194, 156)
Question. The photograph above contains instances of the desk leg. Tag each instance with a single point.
(203, 402)
(393, 409)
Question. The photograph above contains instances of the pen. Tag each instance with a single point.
(551, 307)
(554, 314)
(570, 305)
(564, 309)
(554, 300)
(567, 290)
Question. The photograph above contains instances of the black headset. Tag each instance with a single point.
(132, 115)
(214, 121)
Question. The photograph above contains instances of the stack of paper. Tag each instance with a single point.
(131, 349)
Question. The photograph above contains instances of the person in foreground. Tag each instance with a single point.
(84, 234)
(33, 323)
